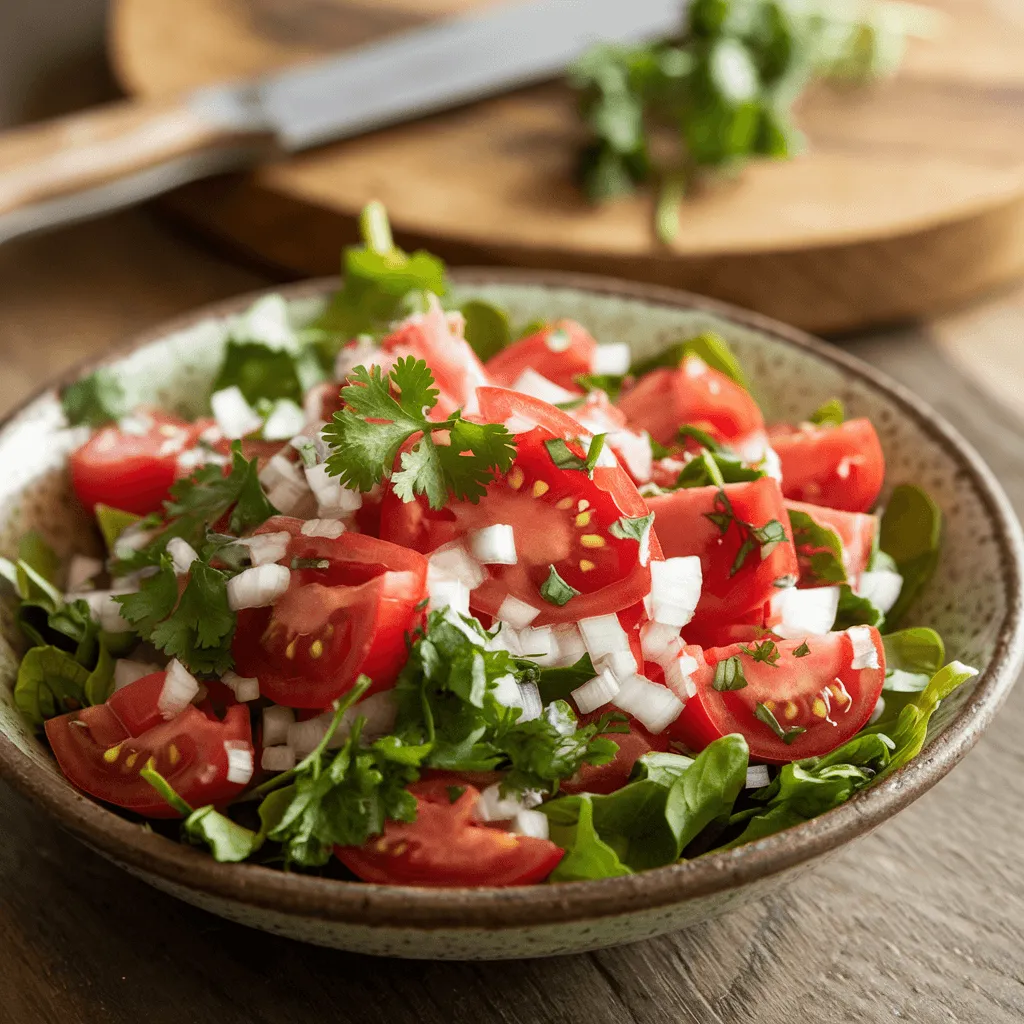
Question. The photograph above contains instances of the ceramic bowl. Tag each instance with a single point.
(974, 601)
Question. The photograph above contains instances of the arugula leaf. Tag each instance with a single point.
(830, 414)
(555, 590)
(488, 330)
(95, 400)
(911, 534)
(819, 549)
(50, 682)
(367, 435)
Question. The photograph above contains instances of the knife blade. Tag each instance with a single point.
(91, 163)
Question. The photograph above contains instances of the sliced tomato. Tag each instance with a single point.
(561, 351)
(445, 847)
(820, 693)
(132, 470)
(607, 778)
(698, 395)
(597, 415)
(102, 749)
(732, 585)
(856, 530)
(334, 623)
(841, 467)
(559, 517)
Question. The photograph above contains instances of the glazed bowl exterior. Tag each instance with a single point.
(974, 601)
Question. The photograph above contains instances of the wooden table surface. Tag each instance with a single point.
(922, 921)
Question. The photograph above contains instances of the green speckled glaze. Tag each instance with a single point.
(974, 601)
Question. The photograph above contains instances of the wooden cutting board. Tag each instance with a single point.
(910, 199)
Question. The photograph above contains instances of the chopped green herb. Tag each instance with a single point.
(95, 400)
(766, 651)
(564, 458)
(764, 714)
(802, 651)
(831, 414)
(555, 590)
(637, 529)
(819, 549)
(729, 675)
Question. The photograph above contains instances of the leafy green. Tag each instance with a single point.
(763, 713)
(558, 683)
(716, 469)
(830, 414)
(50, 682)
(555, 590)
(487, 328)
(94, 400)
(729, 675)
(368, 434)
(261, 371)
(819, 548)
(912, 657)
(638, 528)
(587, 856)
(855, 610)
(565, 458)
(910, 534)
(663, 767)
(112, 522)
(712, 348)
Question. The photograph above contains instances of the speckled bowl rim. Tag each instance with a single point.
(431, 909)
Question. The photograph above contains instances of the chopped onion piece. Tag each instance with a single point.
(276, 722)
(234, 415)
(603, 634)
(518, 614)
(804, 613)
(81, 569)
(492, 806)
(286, 419)
(675, 589)
(240, 766)
(454, 562)
(532, 705)
(332, 499)
(287, 495)
(612, 359)
(258, 587)
(530, 823)
(567, 646)
(127, 671)
(266, 548)
(534, 384)
(245, 688)
(332, 529)
(104, 609)
(445, 593)
(597, 692)
(878, 711)
(679, 676)
(279, 467)
(518, 424)
(179, 690)
(865, 655)
(881, 587)
(379, 711)
(634, 449)
(621, 664)
(278, 759)
(654, 707)
(659, 641)
(752, 448)
(493, 545)
(506, 691)
(757, 776)
(182, 555)
(772, 464)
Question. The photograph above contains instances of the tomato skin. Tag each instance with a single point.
(799, 691)
(188, 750)
(856, 530)
(607, 778)
(680, 520)
(444, 847)
(841, 467)
(132, 472)
(332, 624)
(561, 351)
(696, 394)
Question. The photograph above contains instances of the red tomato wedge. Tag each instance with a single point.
(133, 470)
(820, 693)
(561, 351)
(445, 847)
(695, 394)
(732, 586)
(841, 467)
(856, 530)
(102, 749)
(333, 623)
(558, 517)
(607, 778)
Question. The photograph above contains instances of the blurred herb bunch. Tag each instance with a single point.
(669, 114)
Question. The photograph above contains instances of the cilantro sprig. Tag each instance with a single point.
(368, 435)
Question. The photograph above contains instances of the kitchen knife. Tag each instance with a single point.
(109, 157)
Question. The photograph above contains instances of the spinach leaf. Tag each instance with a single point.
(856, 611)
(912, 657)
(910, 534)
(819, 549)
(661, 767)
(50, 682)
(587, 856)
(487, 328)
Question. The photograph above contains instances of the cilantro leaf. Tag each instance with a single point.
(153, 601)
(94, 400)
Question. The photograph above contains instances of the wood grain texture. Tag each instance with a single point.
(910, 199)
(922, 921)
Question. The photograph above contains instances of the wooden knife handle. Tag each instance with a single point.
(43, 164)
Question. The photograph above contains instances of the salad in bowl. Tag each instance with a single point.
(431, 598)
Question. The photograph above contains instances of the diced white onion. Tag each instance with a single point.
(182, 555)
(596, 692)
(379, 711)
(493, 545)
(621, 664)
(286, 419)
(234, 415)
(881, 587)
(534, 384)
(240, 766)
(278, 759)
(454, 562)
(878, 711)
(772, 464)
(659, 641)
(333, 500)
(532, 705)
(518, 424)
(612, 359)
(753, 448)
(603, 634)
(506, 691)
(276, 722)
(266, 548)
(567, 646)
(136, 424)
(634, 449)
(258, 587)
(492, 806)
(530, 823)
(266, 321)
(675, 589)
(179, 690)
(518, 614)
(654, 707)
(757, 776)
(131, 540)
(558, 340)
(446, 593)
(532, 642)
(804, 613)
(279, 468)
(332, 529)
(865, 655)
(127, 672)
(81, 569)
(679, 676)
(245, 688)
